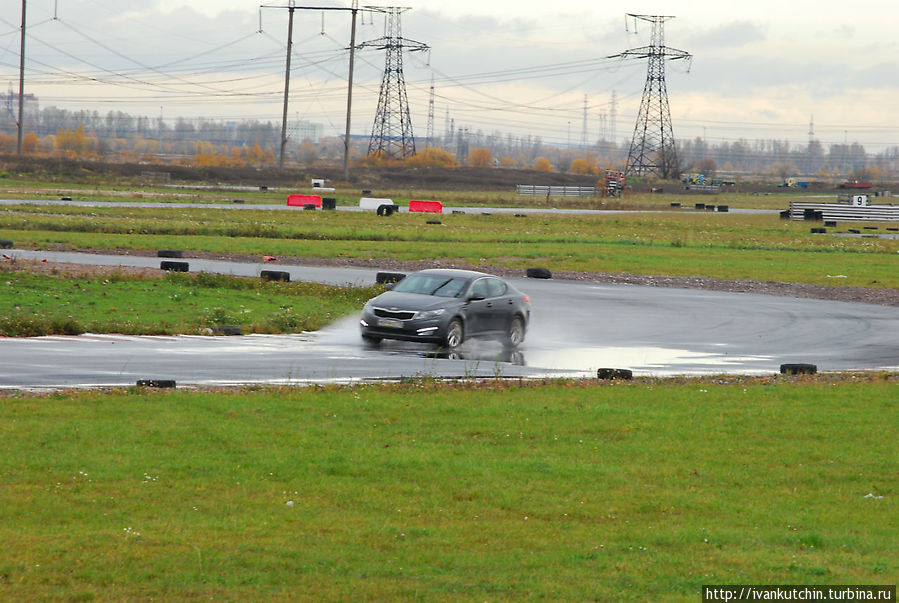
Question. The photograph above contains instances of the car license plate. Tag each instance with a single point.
(390, 323)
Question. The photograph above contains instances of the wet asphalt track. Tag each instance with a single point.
(577, 327)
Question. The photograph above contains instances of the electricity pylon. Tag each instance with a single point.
(652, 147)
(391, 133)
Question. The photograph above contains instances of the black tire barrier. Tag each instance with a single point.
(174, 266)
(869, 227)
(386, 210)
(6, 244)
(366, 191)
(520, 216)
(329, 203)
(830, 223)
(310, 207)
(433, 222)
(238, 201)
(710, 208)
(275, 275)
(458, 212)
(65, 199)
(699, 206)
(893, 229)
(263, 188)
(855, 231)
(811, 214)
(169, 253)
(724, 208)
(227, 330)
(538, 273)
(158, 383)
(785, 214)
(389, 277)
(675, 205)
(608, 374)
(798, 369)
(819, 230)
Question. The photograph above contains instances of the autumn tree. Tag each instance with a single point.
(432, 157)
(542, 164)
(480, 158)
(30, 143)
(581, 166)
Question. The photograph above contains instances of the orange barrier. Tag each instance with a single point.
(431, 207)
(302, 200)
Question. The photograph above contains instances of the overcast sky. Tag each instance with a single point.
(760, 70)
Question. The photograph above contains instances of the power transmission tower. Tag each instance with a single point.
(584, 126)
(652, 147)
(613, 115)
(431, 115)
(391, 134)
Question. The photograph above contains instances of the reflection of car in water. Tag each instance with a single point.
(507, 355)
(447, 307)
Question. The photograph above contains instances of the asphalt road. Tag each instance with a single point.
(577, 327)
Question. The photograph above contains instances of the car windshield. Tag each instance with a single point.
(432, 284)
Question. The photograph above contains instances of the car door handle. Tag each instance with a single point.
(489, 304)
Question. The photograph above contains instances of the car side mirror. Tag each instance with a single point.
(389, 286)
(476, 297)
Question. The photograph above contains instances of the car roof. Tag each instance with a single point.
(453, 273)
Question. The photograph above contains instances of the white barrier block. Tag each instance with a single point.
(373, 203)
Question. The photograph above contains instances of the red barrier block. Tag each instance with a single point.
(431, 207)
(301, 200)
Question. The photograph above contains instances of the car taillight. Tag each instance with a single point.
(527, 299)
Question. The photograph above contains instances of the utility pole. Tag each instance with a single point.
(21, 124)
(652, 147)
(349, 100)
(349, 93)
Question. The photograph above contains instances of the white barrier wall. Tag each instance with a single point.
(373, 203)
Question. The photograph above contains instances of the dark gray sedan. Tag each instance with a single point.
(447, 307)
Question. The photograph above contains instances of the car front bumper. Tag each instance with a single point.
(425, 331)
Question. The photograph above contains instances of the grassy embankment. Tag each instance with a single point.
(118, 302)
(569, 491)
(681, 243)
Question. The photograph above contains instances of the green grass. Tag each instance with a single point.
(35, 304)
(565, 491)
(683, 243)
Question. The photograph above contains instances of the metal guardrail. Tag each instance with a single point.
(556, 191)
(844, 213)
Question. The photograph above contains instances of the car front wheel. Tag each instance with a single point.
(454, 334)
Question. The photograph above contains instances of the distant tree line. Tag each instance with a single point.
(119, 136)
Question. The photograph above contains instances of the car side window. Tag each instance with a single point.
(496, 287)
(480, 289)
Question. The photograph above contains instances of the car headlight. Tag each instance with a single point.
(430, 313)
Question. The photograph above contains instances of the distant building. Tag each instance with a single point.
(301, 130)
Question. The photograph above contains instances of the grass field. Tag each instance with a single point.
(489, 491)
(567, 491)
(685, 243)
(113, 301)
(137, 190)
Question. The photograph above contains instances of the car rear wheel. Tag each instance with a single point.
(454, 334)
(515, 335)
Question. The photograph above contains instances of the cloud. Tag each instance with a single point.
(731, 35)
